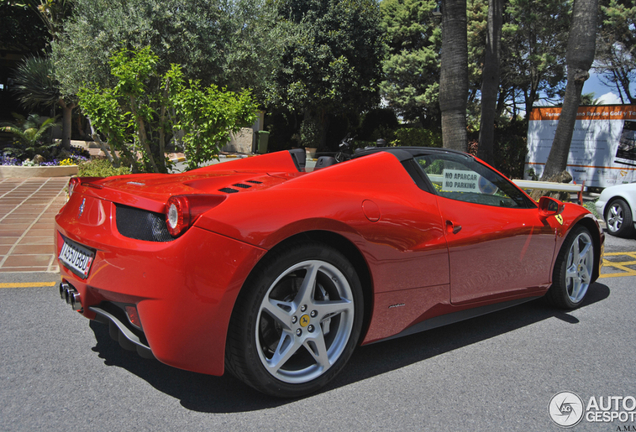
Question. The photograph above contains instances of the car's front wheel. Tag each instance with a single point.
(573, 270)
(296, 322)
(618, 217)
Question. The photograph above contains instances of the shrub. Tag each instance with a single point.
(417, 137)
(138, 118)
(100, 168)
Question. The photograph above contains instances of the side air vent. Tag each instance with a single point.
(228, 190)
(142, 224)
(242, 185)
(254, 181)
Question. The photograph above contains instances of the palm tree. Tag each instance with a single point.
(28, 135)
(35, 86)
(490, 81)
(453, 83)
(588, 99)
(580, 55)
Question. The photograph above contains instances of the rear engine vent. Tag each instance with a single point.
(142, 224)
(242, 185)
(228, 190)
(254, 181)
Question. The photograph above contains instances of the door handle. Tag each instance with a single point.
(452, 228)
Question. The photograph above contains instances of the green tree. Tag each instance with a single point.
(411, 66)
(206, 116)
(534, 38)
(616, 47)
(137, 116)
(230, 43)
(330, 64)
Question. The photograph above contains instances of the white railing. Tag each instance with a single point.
(552, 186)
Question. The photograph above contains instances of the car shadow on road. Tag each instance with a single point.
(205, 393)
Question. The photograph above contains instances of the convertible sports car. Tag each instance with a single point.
(277, 274)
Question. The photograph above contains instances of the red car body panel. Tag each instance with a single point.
(418, 268)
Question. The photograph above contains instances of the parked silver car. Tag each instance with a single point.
(617, 205)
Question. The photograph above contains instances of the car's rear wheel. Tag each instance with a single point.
(296, 322)
(573, 270)
(618, 217)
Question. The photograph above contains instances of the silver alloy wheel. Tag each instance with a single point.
(615, 217)
(580, 265)
(304, 321)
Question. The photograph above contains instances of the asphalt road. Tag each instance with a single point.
(59, 372)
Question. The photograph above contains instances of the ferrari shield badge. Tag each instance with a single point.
(559, 219)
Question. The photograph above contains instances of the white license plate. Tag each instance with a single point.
(76, 258)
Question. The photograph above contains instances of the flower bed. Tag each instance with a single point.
(15, 168)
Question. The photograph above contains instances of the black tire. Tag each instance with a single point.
(286, 341)
(618, 218)
(573, 269)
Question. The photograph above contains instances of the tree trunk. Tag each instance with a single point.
(141, 133)
(67, 125)
(490, 82)
(111, 155)
(579, 57)
(453, 83)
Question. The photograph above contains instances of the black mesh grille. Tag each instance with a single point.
(228, 190)
(242, 185)
(254, 181)
(142, 224)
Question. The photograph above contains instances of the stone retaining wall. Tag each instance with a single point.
(37, 171)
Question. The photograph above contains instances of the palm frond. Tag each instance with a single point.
(28, 135)
(35, 84)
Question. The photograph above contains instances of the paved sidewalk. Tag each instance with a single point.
(27, 211)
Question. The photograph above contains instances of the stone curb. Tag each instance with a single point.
(37, 171)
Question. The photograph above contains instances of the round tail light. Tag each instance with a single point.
(177, 215)
(182, 211)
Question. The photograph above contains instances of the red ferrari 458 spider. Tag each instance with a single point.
(277, 274)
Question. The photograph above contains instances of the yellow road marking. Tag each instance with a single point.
(27, 284)
(620, 265)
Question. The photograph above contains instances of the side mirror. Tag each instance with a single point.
(549, 207)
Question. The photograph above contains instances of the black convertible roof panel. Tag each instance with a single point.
(405, 153)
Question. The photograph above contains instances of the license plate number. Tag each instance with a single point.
(76, 258)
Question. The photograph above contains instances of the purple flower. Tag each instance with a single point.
(9, 161)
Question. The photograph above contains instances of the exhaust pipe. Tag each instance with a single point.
(63, 288)
(75, 301)
(71, 296)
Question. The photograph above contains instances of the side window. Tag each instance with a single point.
(463, 179)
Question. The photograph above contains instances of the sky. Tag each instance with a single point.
(607, 95)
